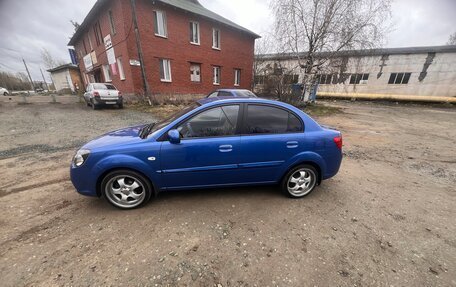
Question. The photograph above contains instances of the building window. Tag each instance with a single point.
(237, 77)
(121, 69)
(216, 39)
(216, 80)
(399, 78)
(259, 80)
(195, 72)
(97, 32)
(356, 79)
(165, 70)
(111, 22)
(107, 73)
(90, 43)
(160, 24)
(85, 47)
(194, 33)
(326, 79)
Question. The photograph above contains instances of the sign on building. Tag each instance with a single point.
(88, 62)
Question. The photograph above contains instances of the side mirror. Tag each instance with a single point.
(174, 137)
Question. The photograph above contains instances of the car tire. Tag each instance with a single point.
(120, 105)
(126, 189)
(5, 94)
(300, 181)
(94, 107)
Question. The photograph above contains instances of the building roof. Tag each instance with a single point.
(367, 52)
(192, 6)
(63, 67)
(195, 7)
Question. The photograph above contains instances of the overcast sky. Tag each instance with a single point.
(28, 26)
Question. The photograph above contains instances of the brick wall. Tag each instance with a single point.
(237, 49)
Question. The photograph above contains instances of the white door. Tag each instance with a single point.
(195, 73)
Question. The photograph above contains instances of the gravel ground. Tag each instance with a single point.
(387, 219)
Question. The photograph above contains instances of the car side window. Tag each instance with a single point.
(270, 120)
(215, 122)
(213, 95)
(224, 94)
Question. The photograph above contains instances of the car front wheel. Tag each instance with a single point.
(126, 189)
(300, 181)
(5, 94)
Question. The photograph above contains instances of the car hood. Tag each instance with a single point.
(119, 137)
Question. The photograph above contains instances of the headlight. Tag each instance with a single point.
(80, 157)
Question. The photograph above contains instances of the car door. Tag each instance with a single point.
(270, 136)
(208, 152)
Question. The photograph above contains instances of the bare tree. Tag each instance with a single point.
(271, 76)
(49, 61)
(307, 27)
(452, 39)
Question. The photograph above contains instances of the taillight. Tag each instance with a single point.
(96, 94)
(338, 141)
(120, 94)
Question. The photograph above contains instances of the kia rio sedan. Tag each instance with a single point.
(213, 143)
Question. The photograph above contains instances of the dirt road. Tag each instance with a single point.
(388, 218)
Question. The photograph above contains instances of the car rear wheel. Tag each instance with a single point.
(300, 181)
(94, 107)
(126, 189)
(120, 105)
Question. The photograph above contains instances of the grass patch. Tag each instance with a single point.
(319, 110)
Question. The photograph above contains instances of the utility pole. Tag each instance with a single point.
(44, 80)
(30, 78)
(140, 53)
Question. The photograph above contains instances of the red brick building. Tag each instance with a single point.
(187, 48)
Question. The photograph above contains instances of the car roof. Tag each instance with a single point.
(223, 100)
(230, 90)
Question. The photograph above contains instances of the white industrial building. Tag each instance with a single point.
(414, 71)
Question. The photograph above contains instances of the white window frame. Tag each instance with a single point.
(121, 69)
(195, 27)
(165, 65)
(191, 74)
(107, 73)
(216, 75)
(216, 39)
(160, 24)
(237, 77)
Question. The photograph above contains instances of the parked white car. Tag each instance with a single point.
(102, 94)
(4, 91)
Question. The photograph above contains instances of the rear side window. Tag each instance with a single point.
(224, 94)
(216, 122)
(271, 120)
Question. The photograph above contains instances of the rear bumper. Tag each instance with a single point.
(99, 101)
(333, 163)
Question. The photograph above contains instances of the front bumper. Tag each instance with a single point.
(84, 182)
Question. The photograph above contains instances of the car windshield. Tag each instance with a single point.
(245, 93)
(103, 87)
(167, 121)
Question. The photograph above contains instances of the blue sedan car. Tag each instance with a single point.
(217, 142)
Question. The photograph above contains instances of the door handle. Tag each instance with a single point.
(225, 148)
(292, 144)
